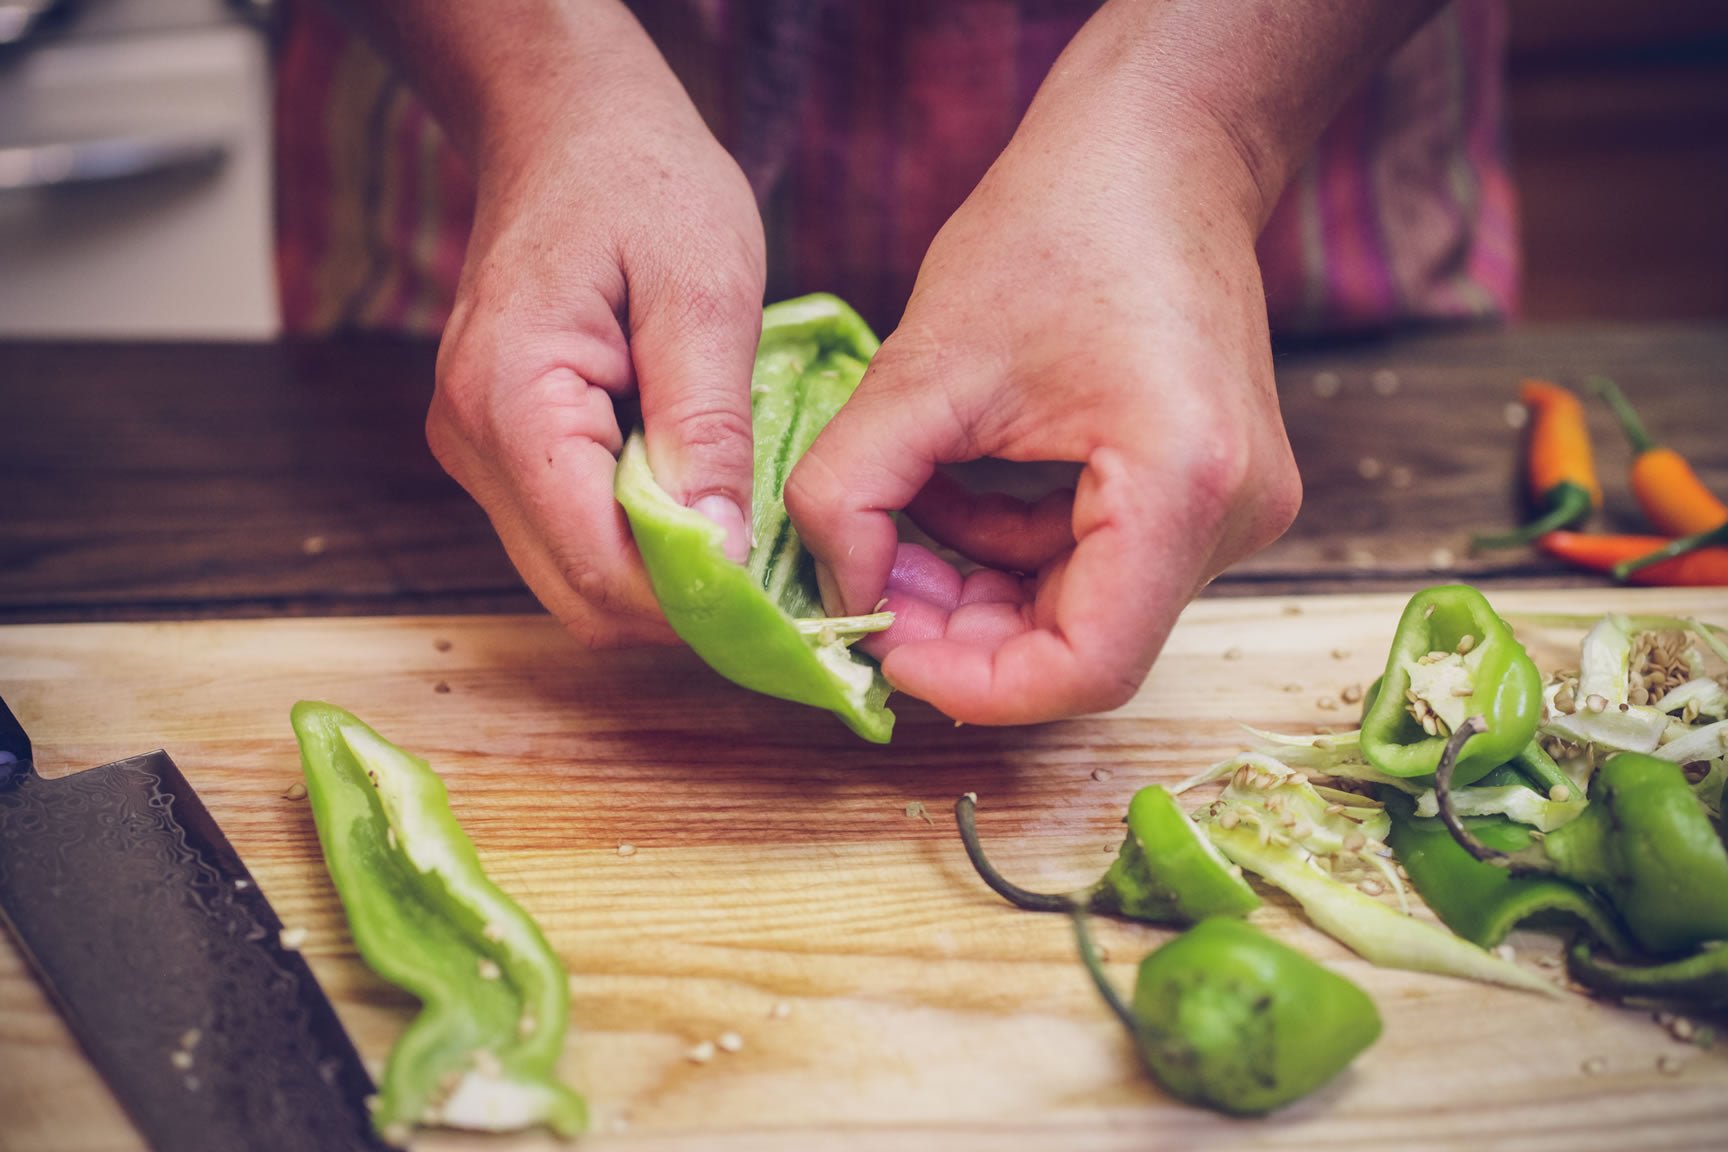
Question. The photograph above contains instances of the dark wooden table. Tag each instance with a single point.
(154, 481)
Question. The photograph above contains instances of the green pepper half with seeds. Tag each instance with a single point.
(483, 1052)
(761, 624)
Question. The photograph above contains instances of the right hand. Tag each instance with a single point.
(616, 250)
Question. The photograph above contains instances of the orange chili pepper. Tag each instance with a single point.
(1699, 568)
(1667, 488)
(1562, 471)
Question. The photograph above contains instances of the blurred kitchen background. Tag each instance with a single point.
(135, 190)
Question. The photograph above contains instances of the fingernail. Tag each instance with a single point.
(829, 589)
(730, 518)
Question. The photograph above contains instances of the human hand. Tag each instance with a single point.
(1096, 300)
(617, 252)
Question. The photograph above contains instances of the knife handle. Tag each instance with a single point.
(15, 755)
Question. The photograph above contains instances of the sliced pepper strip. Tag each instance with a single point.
(483, 1052)
(1480, 901)
(1501, 680)
(761, 625)
(1700, 977)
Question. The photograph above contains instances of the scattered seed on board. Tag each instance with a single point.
(626, 849)
(915, 810)
(780, 1011)
(1400, 476)
(181, 1060)
(442, 644)
(729, 1042)
(313, 545)
(1326, 704)
(296, 791)
(1327, 384)
(1516, 415)
(292, 938)
(1369, 468)
(1669, 1065)
(1102, 774)
(1441, 558)
(189, 1039)
(1351, 694)
(489, 969)
(700, 1053)
(1292, 609)
(1292, 688)
(1340, 653)
(1232, 653)
(1594, 1066)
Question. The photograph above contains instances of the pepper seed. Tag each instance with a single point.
(1559, 793)
(1594, 1066)
(626, 849)
(296, 791)
(700, 1053)
(489, 969)
(729, 1042)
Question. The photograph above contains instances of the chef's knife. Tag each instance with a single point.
(169, 964)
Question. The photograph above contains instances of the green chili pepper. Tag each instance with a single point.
(1166, 870)
(494, 998)
(1477, 900)
(1644, 842)
(761, 625)
(1451, 657)
(1226, 1017)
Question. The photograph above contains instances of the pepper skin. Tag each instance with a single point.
(761, 625)
(1667, 489)
(483, 1052)
(1504, 686)
(1228, 1018)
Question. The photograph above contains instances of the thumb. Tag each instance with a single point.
(693, 345)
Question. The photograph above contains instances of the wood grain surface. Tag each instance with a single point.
(784, 886)
(170, 481)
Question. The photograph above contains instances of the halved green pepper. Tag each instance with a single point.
(761, 625)
(1451, 657)
(494, 997)
(1166, 871)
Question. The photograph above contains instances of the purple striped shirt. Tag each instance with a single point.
(862, 126)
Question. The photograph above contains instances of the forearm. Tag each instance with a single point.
(505, 76)
(1232, 93)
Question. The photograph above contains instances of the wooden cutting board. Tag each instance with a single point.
(785, 886)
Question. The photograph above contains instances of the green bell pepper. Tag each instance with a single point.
(484, 1049)
(761, 624)
(1226, 1017)
(1165, 872)
(1451, 657)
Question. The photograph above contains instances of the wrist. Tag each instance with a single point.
(1225, 97)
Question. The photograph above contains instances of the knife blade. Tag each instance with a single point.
(167, 962)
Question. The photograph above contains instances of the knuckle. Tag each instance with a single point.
(700, 425)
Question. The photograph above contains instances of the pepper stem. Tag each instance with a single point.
(1443, 794)
(965, 810)
(1568, 503)
(1636, 434)
(1673, 548)
(1095, 967)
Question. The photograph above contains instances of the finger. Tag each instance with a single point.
(992, 527)
(1100, 616)
(545, 482)
(693, 341)
(874, 456)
